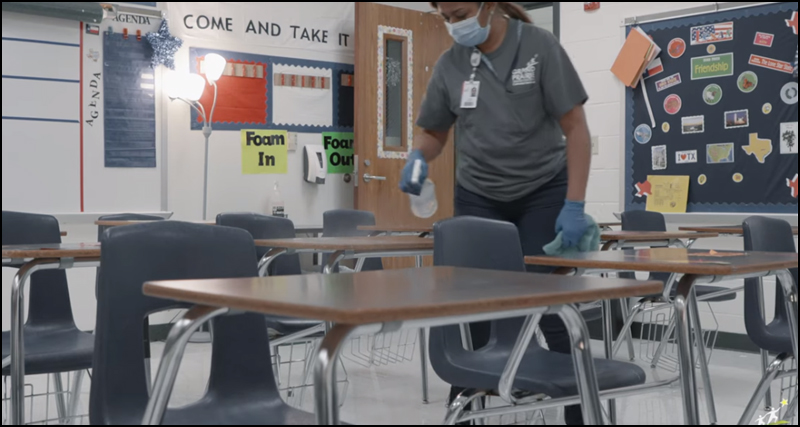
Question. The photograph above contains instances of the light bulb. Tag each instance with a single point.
(214, 65)
(194, 85)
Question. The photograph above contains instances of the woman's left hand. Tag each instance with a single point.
(572, 223)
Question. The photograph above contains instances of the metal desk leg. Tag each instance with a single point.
(171, 360)
(686, 357)
(17, 407)
(75, 397)
(423, 353)
(765, 362)
(584, 365)
(786, 279)
(333, 260)
(626, 312)
(326, 396)
(268, 259)
(608, 340)
(694, 315)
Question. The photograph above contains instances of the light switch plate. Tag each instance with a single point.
(292, 141)
(595, 146)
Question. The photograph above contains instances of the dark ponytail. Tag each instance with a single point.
(510, 9)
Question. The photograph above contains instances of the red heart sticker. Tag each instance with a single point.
(684, 157)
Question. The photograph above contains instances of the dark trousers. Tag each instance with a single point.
(535, 216)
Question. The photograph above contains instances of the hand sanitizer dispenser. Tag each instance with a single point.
(315, 164)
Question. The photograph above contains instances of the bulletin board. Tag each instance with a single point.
(724, 100)
(270, 92)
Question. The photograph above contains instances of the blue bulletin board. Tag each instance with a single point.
(724, 101)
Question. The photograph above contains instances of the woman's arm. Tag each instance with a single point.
(430, 143)
(579, 152)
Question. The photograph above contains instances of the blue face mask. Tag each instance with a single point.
(469, 32)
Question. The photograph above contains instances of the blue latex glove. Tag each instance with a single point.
(408, 171)
(572, 223)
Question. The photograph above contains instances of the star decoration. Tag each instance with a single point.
(792, 23)
(784, 402)
(165, 46)
(792, 183)
(644, 189)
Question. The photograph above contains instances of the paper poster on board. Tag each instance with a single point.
(670, 194)
(264, 152)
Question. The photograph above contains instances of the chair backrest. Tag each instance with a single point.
(48, 290)
(345, 223)
(123, 217)
(101, 229)
(645, 221)
(475, 243)
(263, 227)
(765, 235)
(171, 250)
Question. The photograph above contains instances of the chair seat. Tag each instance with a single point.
(288, 326)
(775, 338)
(541, 371)
(49, 350)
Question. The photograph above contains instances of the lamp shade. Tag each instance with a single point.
(194, 85)
(184, 86)
(172, 85)
(214, 65)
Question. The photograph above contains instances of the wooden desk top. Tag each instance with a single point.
(397, 229)
(77, 250)
(353, 244)
(124, 223)
(395, 295)
(736, 230)
(652, 236)
(666, 260)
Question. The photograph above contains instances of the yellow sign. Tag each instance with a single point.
(670, 194)
(265, 152)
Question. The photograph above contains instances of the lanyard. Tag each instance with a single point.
(477, 57)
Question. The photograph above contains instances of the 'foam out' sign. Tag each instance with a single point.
(340, 152)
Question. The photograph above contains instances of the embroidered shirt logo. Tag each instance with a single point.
(526, 76)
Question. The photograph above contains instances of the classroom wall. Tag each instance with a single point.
(592, 40)
(305, 202)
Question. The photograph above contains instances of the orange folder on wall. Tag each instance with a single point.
(636, 54)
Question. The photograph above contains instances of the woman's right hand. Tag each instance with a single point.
(407, 182)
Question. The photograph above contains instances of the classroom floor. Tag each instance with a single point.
(391, 394)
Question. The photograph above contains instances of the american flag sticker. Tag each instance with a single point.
(714, 33)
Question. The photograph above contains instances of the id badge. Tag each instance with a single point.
(469, 95)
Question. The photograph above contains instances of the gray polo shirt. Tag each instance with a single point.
(512, 143)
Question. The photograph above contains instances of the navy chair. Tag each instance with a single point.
(262, 227)
(479, 243)
(53, 344)
(241, 389)
(345, 223)
(655, 221)
(101, 229)
(768, 235)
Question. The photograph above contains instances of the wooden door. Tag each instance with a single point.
(396, 50)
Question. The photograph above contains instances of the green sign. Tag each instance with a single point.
(712, 66)
(339, 149)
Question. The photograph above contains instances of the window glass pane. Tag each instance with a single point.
(393, 90)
